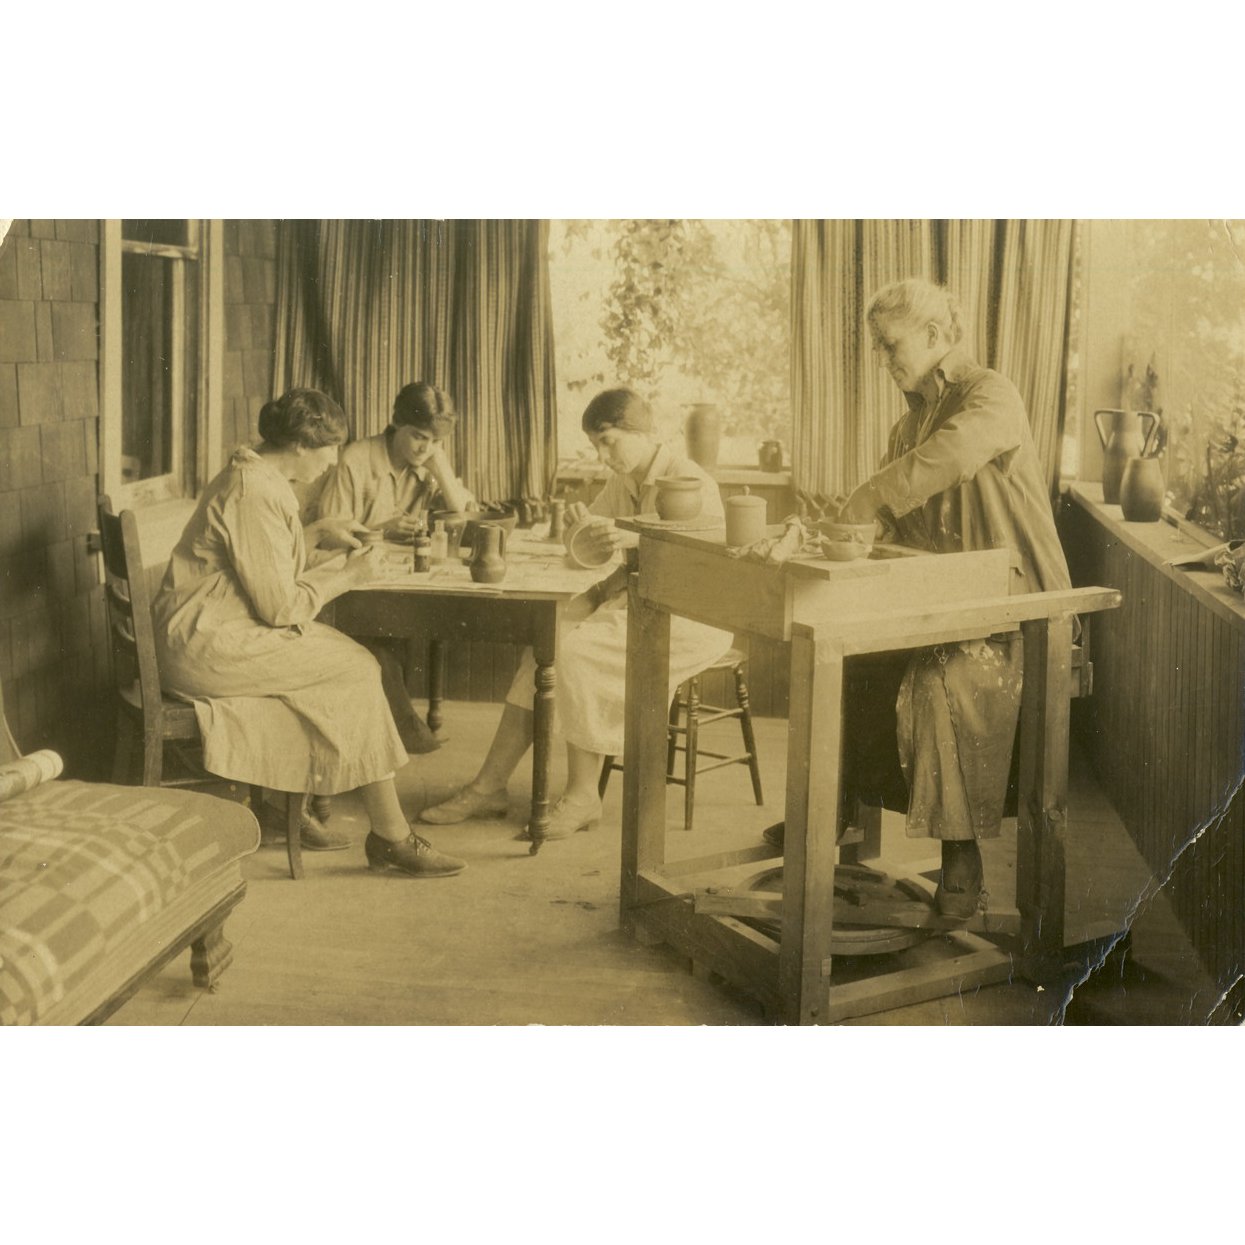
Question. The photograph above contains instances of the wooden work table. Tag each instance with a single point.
(825, 612)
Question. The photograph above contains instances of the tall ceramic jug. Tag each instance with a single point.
(1141, 490)
(703, 434)
(1121, 440)
(488, 554)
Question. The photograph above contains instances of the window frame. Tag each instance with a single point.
(204, 428)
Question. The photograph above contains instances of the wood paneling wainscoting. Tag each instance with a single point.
(1165, 726)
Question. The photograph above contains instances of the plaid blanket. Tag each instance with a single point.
(83, 866)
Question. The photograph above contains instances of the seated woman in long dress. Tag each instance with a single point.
(592, 647)
(389, 483)
(283, 701)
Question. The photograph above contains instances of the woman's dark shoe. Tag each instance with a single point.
(414, 855)
(959, 892)
(317, 837)
(775, 834)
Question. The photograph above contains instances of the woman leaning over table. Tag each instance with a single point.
(961, 472)
(389, 483)
(283, 701)
(592, 647)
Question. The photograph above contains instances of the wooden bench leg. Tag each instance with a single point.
(210, 955)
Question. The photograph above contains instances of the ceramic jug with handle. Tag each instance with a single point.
(1121, 440)
(488, 554)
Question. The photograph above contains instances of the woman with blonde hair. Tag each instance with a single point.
(961, 472)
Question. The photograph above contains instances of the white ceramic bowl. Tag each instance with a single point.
(581, 552)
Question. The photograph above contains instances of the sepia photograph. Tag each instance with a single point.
(725, 621)
(595, 604)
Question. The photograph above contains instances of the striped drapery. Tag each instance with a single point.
(365, 307)
(1012, 280)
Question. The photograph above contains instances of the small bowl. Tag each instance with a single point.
(845, 542)
(465, 522)
(581, 553)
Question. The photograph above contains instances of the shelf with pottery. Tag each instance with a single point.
(824, 612)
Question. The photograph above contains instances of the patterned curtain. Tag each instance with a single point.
(1013, 281)
(365, 307)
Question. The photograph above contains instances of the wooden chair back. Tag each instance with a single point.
(133, 637)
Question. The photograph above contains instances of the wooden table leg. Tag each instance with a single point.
(436, 683)
(1043, 797)
(814, 760)
(544, 646)
(644, 748)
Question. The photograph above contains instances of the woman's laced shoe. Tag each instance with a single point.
(959, 891)
(567, 818)
(465, 805)
(315, 836)
(414, 855)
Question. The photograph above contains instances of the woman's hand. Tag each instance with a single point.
(371, 563)
(575, 514)
(600, 537)
(334, 534)
(401, 526)
(861, 507)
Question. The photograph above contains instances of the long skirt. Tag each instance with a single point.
(957, 712)
(286, 710)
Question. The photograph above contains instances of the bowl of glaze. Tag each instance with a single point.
(845, 542)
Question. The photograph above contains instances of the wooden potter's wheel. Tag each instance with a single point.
(855, 889)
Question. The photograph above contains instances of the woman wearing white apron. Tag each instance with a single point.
(592, 648)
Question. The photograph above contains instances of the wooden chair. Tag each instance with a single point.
(687, 715)
(164, 726)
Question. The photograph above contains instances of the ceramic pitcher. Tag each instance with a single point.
(488, 554)
(1121, 440)
(1141, 490)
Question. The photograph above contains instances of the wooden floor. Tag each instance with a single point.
(517, 939)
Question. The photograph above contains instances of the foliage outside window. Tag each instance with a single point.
(1186, 359)
(683, 311)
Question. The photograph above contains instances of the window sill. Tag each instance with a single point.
(1161, 544)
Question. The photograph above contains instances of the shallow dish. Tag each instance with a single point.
(845, 542)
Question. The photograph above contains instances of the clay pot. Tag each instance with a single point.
(1121, 442)
(678, 497)
(745, 519)
(1141, 490)
(703, 434)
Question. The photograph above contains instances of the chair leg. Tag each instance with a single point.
(689, 757)
(672, 735)
(745, 725)
(153, 758)
(123, 754)
(293, 833)
(606, 767)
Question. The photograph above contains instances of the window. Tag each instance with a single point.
(1183, 355)
(160, 359)
(683, 311)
